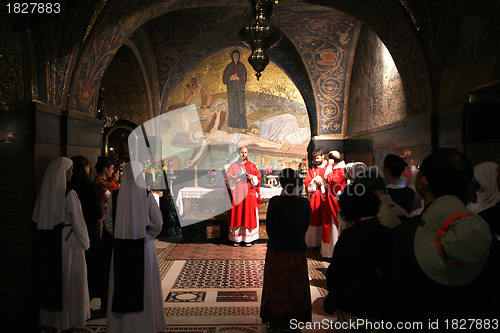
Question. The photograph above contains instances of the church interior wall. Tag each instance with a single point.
(460, 42)
(32, 135)
(125, 92)
(377, 112)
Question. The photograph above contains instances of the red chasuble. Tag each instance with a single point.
(335, 182)
(316, 198)
(245, 198)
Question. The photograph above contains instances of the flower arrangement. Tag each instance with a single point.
(211, 178)
(267, 172)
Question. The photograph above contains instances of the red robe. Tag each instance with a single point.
(316, 198)
(245, 198)
(335, 182)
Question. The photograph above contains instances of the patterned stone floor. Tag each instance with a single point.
(218, 288)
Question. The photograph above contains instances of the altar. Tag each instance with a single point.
(195, 203)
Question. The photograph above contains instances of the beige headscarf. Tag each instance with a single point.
(487, 195)
(50, 203)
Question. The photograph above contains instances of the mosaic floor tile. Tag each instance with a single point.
(185, 296)
(221, 274)
(192, 329)
(237, 296)
(162, 262)
(165, 266)
(212, 311)
(214, 251)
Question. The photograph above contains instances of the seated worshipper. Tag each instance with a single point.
(135, 294)
(218, 137)
(61, 240)
(390, 213)
(396, 187)
(286, 294)
(84, 187)
(281, 128)
(437, 256)
(359, 260)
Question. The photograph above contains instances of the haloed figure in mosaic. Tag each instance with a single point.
(286, 294)
(243, 183)
(235, 78)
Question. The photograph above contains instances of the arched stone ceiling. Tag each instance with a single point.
(315, 52)
(398, 29)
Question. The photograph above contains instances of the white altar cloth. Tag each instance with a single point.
(213, 193)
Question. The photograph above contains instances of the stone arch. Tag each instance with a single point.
(398, 30)
(116, 24)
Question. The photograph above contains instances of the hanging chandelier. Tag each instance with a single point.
(260, 35)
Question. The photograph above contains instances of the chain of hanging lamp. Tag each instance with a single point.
(260, 34)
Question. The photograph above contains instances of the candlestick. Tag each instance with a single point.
(195, 176)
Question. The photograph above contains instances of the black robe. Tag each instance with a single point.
(236, 95)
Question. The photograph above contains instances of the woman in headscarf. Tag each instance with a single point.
(352, 170)
(134, 219)
(61, 241)
(286, 294)
(487, 193)
(487, 206)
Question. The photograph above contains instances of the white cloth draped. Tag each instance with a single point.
(354, 168)
(76, 303)
(49, 207)
(389, 212)
(132, 204)
(139, 217)
(488, 194)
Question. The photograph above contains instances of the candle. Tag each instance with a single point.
(195, 176)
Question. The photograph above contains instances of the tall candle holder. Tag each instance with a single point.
(302, 175)
(195, 176)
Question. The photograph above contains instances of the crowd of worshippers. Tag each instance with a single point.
(403, 244)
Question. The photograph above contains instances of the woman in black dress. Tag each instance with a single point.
(286, 295)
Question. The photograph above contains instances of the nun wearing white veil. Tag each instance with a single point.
(135, 302)
(61, 241)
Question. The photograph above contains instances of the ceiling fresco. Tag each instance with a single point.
(171, 37)
(315, 52)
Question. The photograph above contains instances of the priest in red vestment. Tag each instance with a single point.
(318, 197)
(243, 182)
(335, 183)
